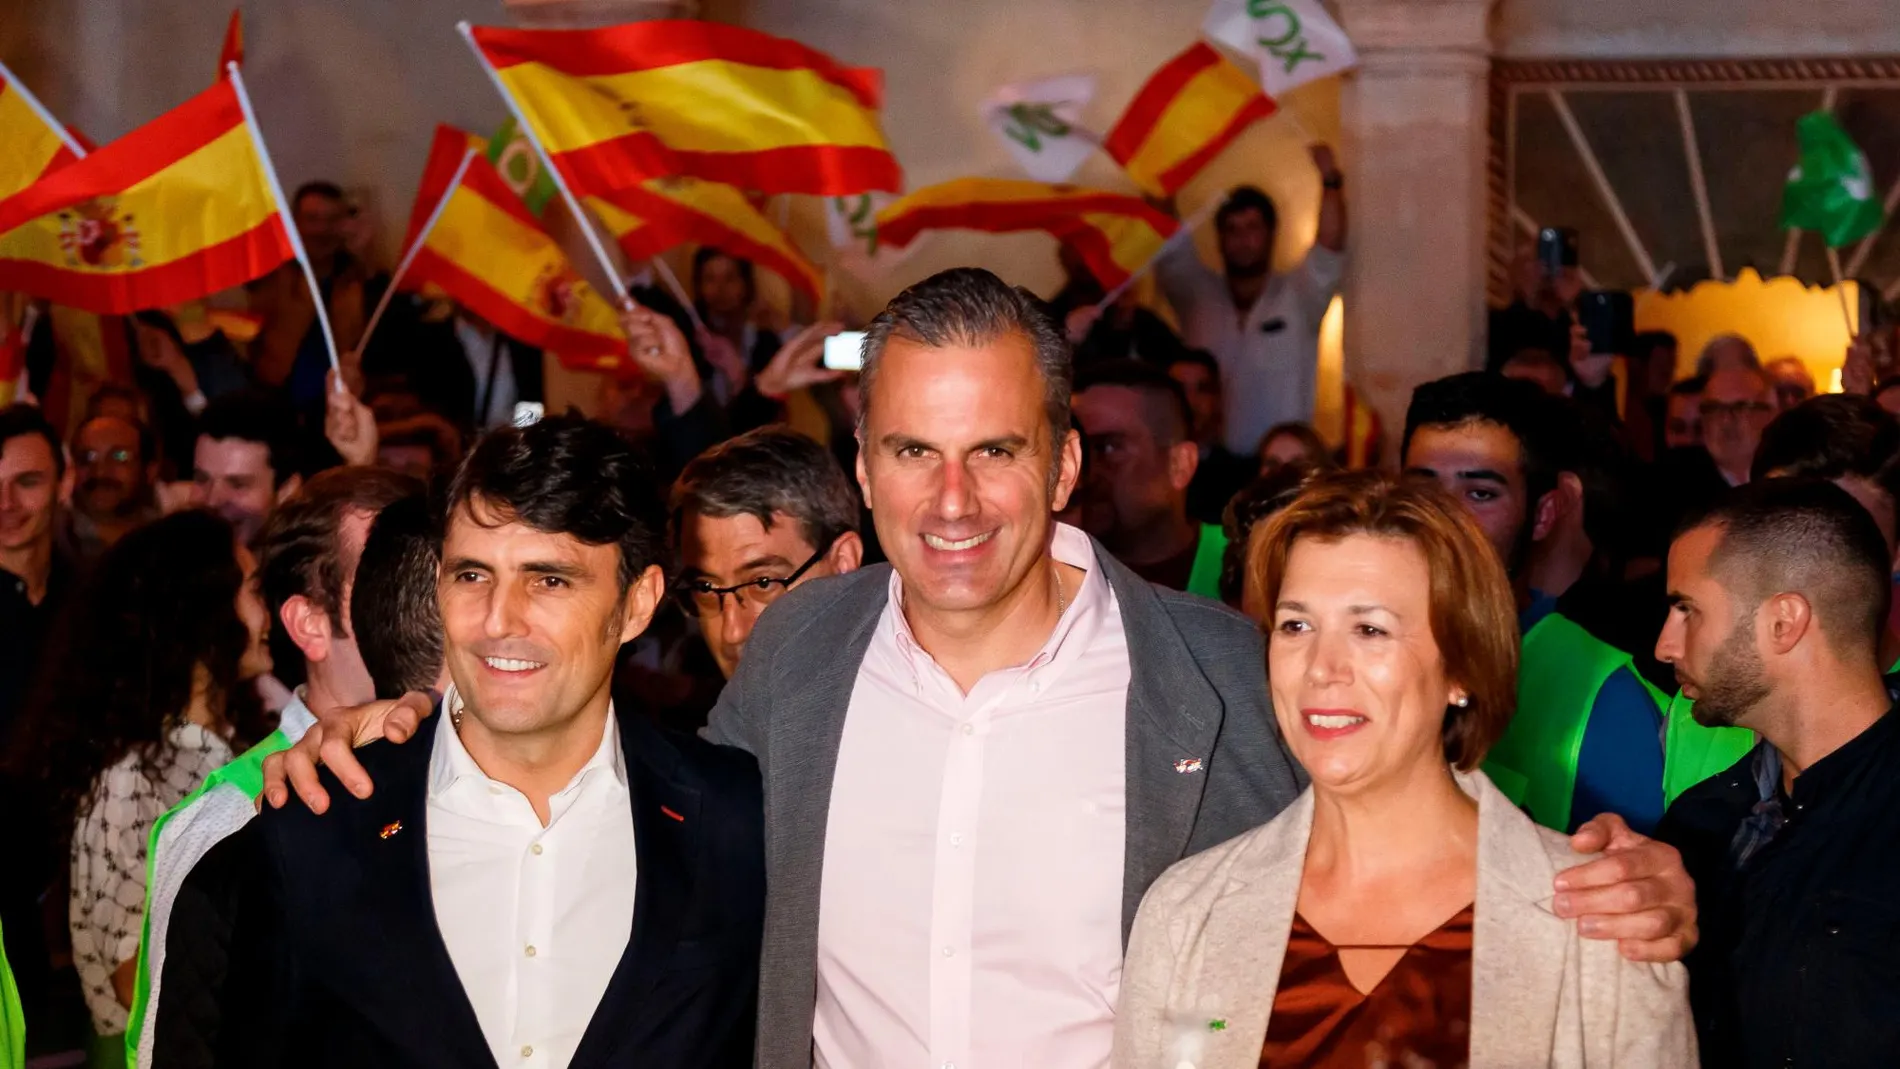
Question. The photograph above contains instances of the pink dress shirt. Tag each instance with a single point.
(971, 908)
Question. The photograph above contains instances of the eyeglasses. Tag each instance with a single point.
(1713, 410)
(119, 455)
(701, 597)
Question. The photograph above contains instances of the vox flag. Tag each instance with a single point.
(176, 210)
(616, 106)
(648, 219)
(1040, 124)
(1292, 41)
(481, 246)
(1831, 191)
(1187, 114)
(1115, 233)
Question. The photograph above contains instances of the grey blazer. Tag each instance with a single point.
(1205, 761)
(1204, 960)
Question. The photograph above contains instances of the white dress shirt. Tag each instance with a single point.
(536, 919)
(487, 353)
(1268, 354)
(971, 908)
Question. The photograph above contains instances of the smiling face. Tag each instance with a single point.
(29, 488)
(1480, 464)
(1358, 683)
(956, 463)
(532, 621)
(234, 479)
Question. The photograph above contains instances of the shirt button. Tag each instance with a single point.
(527, 1052)
(956, 838)
(529, 951)
(1035, 686)
(949, 952)
(535, 849)
(969, 729)
(1833, 929)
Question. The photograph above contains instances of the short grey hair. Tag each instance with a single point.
(764, 473)
(969, 306)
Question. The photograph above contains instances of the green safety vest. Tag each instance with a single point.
(1693, 753)
(1558, 676)
(1204, 577)
(12, 1021)
(246, 773)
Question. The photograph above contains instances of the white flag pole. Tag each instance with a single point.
(14, 84)
(290, 223)
(1185, 233)
(581, 218)
(409, 256)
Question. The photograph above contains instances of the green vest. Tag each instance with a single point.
(1693, 753)
(1204, 577)
(246, 773)
(1558, 676)
(12, 1022)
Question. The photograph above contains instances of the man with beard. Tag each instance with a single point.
(114, 466)
(1586, 737)
(1262, 327)
(1777, 600)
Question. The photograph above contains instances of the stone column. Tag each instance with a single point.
(1414, 123)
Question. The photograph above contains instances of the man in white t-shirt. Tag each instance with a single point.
(1262, 327)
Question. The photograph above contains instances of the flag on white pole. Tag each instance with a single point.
(1040, 124)
(1293, 41)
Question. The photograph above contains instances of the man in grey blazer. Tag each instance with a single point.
(978, 757)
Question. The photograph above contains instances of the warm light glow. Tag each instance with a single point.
(1780, 317)
(1329, 402)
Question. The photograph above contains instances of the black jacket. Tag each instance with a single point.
(335, 959)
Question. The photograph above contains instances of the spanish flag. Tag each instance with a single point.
(1115, 233)
(494, 258)
(1188, 113)
(618, 105)
(35, 143)
(650, 218)
(176, 210)
(233, 50)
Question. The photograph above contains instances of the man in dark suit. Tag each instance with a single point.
(535, 880)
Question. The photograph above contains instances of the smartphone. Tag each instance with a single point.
(1609, 318)
(1556, 249)
(844, 351)
(528, 413)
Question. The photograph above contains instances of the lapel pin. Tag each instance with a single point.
(672, 814)
(1187, 764)
(389, 830)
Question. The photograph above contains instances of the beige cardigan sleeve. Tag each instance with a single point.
(1653, 1027)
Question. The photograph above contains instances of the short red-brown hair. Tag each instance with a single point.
(1473, 613)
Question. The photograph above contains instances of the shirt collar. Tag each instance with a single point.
(295, 718)
(1847, 761)
(450, 762)
(1074, 631)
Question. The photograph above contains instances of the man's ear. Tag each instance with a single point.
(1068, 470)
(1184, 459)
(291, 486)
(864, 478)
(642, 601)
(1786, 619)
(1565, 499)
(308, 627)
(846, 553)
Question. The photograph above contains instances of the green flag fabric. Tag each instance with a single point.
(1831, 191)
(520, 165)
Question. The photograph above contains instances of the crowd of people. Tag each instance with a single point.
(1068, 703)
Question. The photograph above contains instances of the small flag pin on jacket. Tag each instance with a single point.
(390, 829)
(1187, 764)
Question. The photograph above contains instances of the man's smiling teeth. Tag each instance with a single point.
(509, 664)
(1323, 720)
(934, 542)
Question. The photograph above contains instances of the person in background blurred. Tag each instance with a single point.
(290, 352)
(1262, 327)
(114, 469)
(1726, 352)
(1682, 414)
(1124, 330)
(1142, 462)
(1737, 405)
(1398, 912)
(726, 295)
(1538, 316)
(1255, 502)
(1887, 396)
(1539, 368)
(35, 575)
(1792, 381)
(148, 677)
(1293, 443)
(245, 460)
(1221, 472)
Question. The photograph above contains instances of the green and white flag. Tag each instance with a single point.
(520, 165)
(1292, 41)
(1831, 191)
(1040, 124)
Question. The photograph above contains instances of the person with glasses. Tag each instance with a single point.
(752, 518)
(113, 466)
(1737, 405)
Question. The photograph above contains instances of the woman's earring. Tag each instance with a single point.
(1461, 700)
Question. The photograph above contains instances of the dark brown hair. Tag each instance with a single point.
(1473, 617)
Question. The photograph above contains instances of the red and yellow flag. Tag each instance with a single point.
(176, 210)
(1115, 233)
(622, 104)
(33, 143)
(1188, 113)
(233, 50)
(494, 258)
(650, 218)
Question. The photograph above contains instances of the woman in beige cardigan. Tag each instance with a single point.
(1398, 914)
